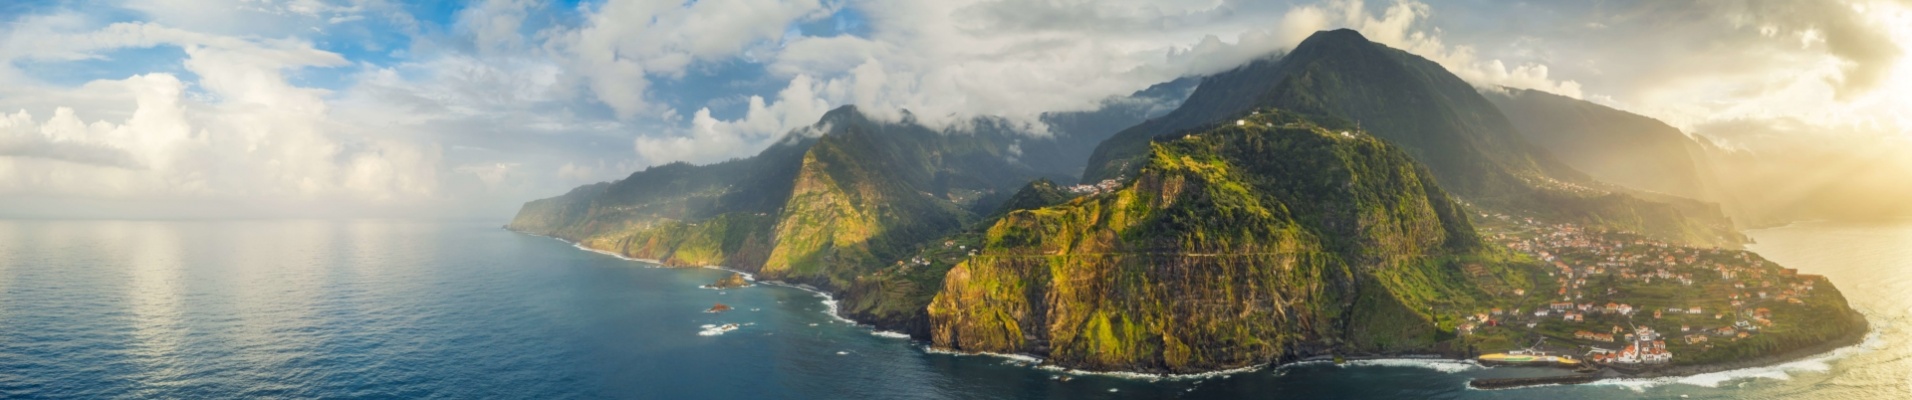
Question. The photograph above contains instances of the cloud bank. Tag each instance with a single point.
(392, 107)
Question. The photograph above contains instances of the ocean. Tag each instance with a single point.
(435, 309)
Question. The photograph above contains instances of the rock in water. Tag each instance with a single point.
(735, 280)
(720, 307)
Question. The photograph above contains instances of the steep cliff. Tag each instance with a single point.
(845, 195)
(1238, 245)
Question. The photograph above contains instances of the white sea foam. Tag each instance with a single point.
(829, 303)
(1303, 363)
(748, 277)
(1816, 364)
(1437, 364)
(831, 309)
(1471, 387)
(830, 306)
(714, 330)
(581, 246)
(1020, 358)
(1024, 359)
(1155, 377)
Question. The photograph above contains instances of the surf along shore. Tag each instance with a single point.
(1605, 372)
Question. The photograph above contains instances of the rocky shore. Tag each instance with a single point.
(734, 280)
(1849, 339)
(1853, 337)
(1509, 383)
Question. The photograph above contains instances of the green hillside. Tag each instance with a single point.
(1436, 117)
(810, 210)
(1240, 245)
(1611, 145)
(1294, 207)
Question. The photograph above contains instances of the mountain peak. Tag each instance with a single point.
(1336, 37)
(847, 112)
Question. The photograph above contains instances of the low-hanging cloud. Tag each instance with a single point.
(949, 61)
(514, 99)
(62, 139)
(240, 130)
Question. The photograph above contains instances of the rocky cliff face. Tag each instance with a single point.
(1236, 246)
(818, 210)
(860, 198)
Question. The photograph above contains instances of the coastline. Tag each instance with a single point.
(1830, 348)
(1827, 351)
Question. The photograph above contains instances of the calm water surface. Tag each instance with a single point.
(403, 309)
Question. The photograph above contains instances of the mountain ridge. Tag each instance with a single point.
(1239, 234)
(1443, 121)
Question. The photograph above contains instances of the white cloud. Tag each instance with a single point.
(947, 61)
(251, 133)
(271, 18)
(623, 43)
(712, 140)
(1833, 65)
(1402, 26)
(496, 25)
(493, 174)
(63, 138)
(517, 99)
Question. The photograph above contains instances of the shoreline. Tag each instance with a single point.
(1851, 340)
(1826, 349)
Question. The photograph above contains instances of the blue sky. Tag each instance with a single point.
(472, 107)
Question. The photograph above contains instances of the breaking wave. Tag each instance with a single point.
(1816, 364)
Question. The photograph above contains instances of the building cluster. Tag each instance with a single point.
(1105, 186)
(1601, 277)
(1564, 186)
(1644, 346)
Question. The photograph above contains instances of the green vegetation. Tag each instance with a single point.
(826, 211)
(1441, 121)
(1611, 145)
(729, 239)
(1289, 208)
(1248, 243)
(1708, 305)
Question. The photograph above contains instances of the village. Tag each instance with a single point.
(1620, 299)
(1106, 185)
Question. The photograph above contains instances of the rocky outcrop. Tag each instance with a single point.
(734, 280)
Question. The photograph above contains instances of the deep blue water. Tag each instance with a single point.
(409, 309)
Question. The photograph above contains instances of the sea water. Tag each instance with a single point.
(434, 309)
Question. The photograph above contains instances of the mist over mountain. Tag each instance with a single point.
(1311, 203)
(1442, 121)
(1771, 179)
